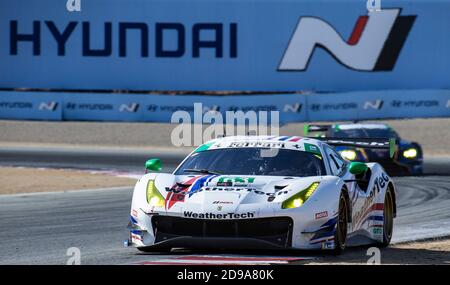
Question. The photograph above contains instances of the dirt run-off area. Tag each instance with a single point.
(17, 180)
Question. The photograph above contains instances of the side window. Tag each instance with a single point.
(335, 161)
(339, 160)
(332, 161)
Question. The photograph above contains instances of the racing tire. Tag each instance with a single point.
(340, 236)
(388, 218)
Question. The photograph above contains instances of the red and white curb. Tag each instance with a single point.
(222, 260)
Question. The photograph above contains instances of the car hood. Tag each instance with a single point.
(208, 193)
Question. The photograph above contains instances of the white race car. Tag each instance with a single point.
(264, 192)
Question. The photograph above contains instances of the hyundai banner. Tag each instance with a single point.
(245, 45)
(290, 107)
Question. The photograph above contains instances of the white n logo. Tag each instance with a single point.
(48, 106)
(374, 44)
(129, 107)
(377, 105)
(292, 108)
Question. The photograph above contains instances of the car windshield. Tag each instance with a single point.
(249, 161)
(362, 133)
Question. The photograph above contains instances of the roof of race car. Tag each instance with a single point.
(361, 126)
(288, 142)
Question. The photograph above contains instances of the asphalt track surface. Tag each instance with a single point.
(40, 228)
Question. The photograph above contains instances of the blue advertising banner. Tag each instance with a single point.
(270, 45)
(290, 107)
(160, 108)
(143, 108)
(30, 106)
(386, 104)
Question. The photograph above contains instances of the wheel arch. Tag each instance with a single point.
(350, 208)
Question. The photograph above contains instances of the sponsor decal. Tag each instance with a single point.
(244, 189)
(415, 103)
(215, 216)
(16, 105)
(134, 213)
(312, 148)
(328, 245)
(374, 44)
(333, 107)
(222, 202)
(236, 181)
(377, 231)
(254, 108)
(183, 192)
(258, 144)
(321, 215)
(380, 182)
(89, 107)
(227, 184)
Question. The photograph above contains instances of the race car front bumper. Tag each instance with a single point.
(267, 232)
(273, 232)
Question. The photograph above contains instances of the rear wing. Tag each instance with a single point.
(373, 143)
(307, 129)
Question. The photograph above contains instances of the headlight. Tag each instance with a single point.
(410, 153)
(298, 199)
(348, 154)
(154, 198)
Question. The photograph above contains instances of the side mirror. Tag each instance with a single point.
(357, 168)
(153, 164)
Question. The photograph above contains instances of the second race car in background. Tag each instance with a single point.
(408, 158)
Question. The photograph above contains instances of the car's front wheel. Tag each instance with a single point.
(388, 218)
(340, 236)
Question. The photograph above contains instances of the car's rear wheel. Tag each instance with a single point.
(388, 218)
(340, 236)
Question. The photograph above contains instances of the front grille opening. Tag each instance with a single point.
(275, 230)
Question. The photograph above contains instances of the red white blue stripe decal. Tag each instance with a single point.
(371, 215)
(294, 139)
(285, 138)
